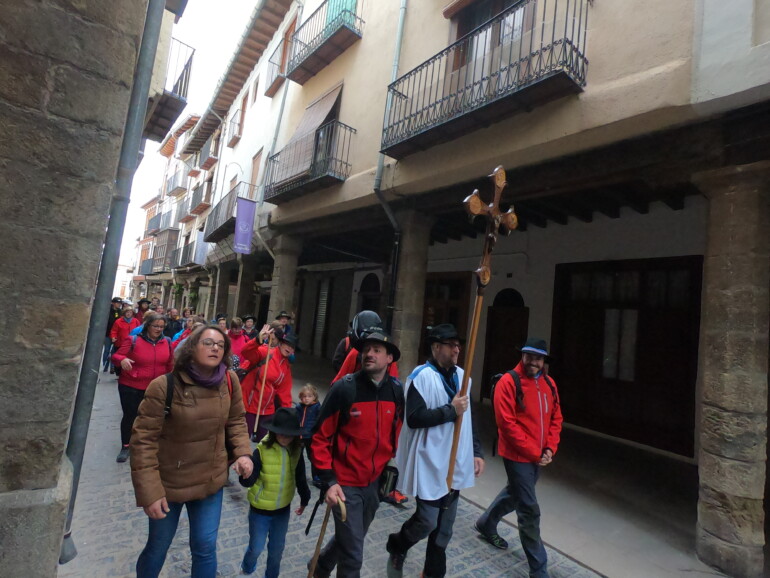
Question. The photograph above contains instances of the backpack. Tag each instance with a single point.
(166, 339)
(170, 390)
(519, 395)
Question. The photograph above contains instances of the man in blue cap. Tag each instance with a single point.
(529, 419)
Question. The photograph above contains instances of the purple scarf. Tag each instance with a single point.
(212, 381)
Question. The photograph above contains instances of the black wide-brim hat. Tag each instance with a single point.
(283, 314)
(442, 332)
(290, 339)
(386, 340)
(285, 422)
(536, 346)
(247, 317)
(143, 301)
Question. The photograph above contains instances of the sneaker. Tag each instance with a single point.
(123, 455)
(395, 567)
(495, 539)
(318, 572)
(396, 498)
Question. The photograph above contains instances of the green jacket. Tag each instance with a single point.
(275, 486)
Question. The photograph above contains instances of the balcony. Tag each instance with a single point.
(194, 165)
(209, 154)
(234, 128)
(176, 184)
(182, 212)
(276, 69)
(528, 55)
(146, 267)
(326, 34)
(175, 254)
(164, 109)
(153, 225)
(166, 222)
(188, 256)
(314, 161)
(221, 220)
(201, 199)
(164, 247)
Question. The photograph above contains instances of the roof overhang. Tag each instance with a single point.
(265, 21)
(169, 143)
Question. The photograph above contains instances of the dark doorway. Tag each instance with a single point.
(446, 301)
(264, 307)
(369, 293)
(625, 348)
(507, 325)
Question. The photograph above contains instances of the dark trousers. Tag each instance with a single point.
(130, 398)
(519, 495)
(264, 421)
(107, 351)
(308, 452)
(432, 519)
(346, 549)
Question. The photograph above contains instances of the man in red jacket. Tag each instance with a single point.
(355, 438)
(529, 421)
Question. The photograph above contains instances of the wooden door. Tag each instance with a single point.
(446, 301)
(506, 330)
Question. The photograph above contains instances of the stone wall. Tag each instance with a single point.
(66, 69)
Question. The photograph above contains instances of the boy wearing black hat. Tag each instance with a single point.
(355, 437)
(529, 420)
(433, 403)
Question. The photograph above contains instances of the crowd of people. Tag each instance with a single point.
(194, 393)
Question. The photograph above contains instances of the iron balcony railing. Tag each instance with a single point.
(221, 220)
(209, 153)
(508, 55)
(330, 17)
(166, 221)
(313, 161)
(201, 198)
(146, 267)
(174, 259)
(187, 255)
(234, 129)
(176, 184)
(181, 212)
(276, 68)
(153, 225)
(180, 57)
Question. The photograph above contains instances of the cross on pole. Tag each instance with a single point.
(497, 221)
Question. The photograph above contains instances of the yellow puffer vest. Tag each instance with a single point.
(275, 485)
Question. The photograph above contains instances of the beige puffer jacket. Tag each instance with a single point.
(186, 456)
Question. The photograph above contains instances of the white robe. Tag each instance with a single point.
(423, 453)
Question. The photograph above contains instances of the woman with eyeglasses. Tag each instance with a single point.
(141, 359)
(180, 458)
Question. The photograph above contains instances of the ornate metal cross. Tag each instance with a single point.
(496, 221)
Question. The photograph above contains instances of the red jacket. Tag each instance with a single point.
(237, 342)
(121, 328)
(357, 430)
(150, 360)
(525, 433)
(277, 384)
(185, 334)
(352, 364)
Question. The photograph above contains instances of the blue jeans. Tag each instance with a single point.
(106, 352)
(271, 529)
(519, 495)
(204, 518)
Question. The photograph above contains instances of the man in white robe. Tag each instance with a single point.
(433, 404)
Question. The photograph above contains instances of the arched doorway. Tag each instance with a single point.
(369, 293)
(507, 325)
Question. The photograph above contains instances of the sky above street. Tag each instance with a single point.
(213, 29)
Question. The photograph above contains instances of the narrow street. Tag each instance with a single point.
(109, 530)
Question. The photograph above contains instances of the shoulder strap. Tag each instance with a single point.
(554, 394)
(229, 383)
(350, 396)
(519, 391)
(169, 393)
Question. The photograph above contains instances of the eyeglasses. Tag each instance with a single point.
(451, 345)
(161, 327)
(211, 343)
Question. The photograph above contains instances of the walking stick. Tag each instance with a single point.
(261, 393)
(496, 221)
(317, 553)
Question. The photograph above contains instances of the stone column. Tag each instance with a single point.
(247, 272)
(222, 289)
(287, 251)
(733, 369)
(208, 305)
(410, 286)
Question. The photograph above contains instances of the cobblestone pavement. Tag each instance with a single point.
(109, 531)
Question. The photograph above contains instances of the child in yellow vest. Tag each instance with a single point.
(278, 471)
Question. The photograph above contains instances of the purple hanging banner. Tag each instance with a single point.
(245, 209)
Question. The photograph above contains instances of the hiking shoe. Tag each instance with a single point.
(495, 539)
(318, 572)
(395, 567)
(123, 455)
(396, 498)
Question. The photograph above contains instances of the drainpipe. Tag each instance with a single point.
(378, 180)
(92, 354)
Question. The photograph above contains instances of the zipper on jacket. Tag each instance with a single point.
(377, 445)
(284, 454)
(542, 419)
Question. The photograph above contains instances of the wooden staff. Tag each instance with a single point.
(496, 221)
(261, 393)
(317, 553)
